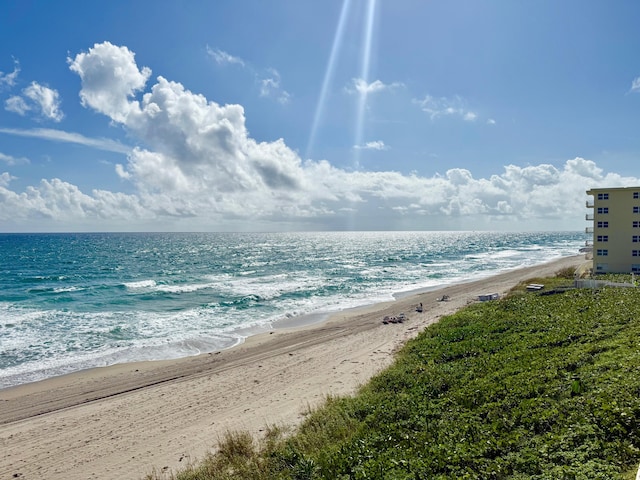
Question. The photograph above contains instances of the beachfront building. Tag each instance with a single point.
(616, 229)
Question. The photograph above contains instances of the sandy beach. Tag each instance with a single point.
(122, 421)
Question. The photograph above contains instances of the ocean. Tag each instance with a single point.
(75, 301)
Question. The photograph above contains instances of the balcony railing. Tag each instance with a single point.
(589, 216)
(588, 230)
(589, 203)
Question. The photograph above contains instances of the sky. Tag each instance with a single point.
(295, 115)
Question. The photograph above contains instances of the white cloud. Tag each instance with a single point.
(224, 58)
(46, 99)
(491, 121)
(69, 137)
(10, 160)
(17, 105)
(110, 77)
(200, 170)
(443, 106)
(5, 179)
(270, 87)
(9, 79)
(269, 79)
(39, 98)
(470, 116)
(375, 145)
(635, 85)
(60, 201)
(360, 86)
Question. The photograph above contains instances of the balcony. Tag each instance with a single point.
(588, 243)
(589, 203)
(589, 216)
(588, 230)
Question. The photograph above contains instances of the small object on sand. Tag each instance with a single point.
(488, 296)
(444, 298)
(419, 308)
(399, 319)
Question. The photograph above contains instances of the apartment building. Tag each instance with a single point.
(616, 229)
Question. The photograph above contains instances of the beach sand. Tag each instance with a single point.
(122, 421)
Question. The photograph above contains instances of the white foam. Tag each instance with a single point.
(161, 347)
(151, 327)
(67, 289)
(141, 284)
(183, 288)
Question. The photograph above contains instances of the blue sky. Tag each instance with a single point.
(239, 115)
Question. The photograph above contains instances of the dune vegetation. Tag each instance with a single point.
(537, 385)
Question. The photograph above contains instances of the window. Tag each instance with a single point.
(606, 224)
(636, 209)
(635, 267)
(635, 239)
(636, 195)
(603, 252)
(603, 238)
(603, 196)
(602, 267)
(636, 224)
(603, 209)
(635, 253)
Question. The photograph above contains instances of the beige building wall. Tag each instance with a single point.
(616, 229)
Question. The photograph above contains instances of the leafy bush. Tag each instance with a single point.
(531, 386)
(567, 272)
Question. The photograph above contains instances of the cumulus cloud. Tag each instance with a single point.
(200, 169)
(37, 98)
(5, 178)
(443, 106)
(46, 99)
(9, 79)
(110, 78)
(17, 105)
(62, 202)
(11, 160)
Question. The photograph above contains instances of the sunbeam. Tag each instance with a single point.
(364, 76)
(328, 75)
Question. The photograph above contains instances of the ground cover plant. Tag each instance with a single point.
(532, 386)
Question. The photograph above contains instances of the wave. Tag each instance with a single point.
(106, 309)
(68, 289)
(32, 371)
(140, 284)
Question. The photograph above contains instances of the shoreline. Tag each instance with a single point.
(122, 420)
(240, 335)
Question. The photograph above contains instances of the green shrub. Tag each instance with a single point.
(531, 386)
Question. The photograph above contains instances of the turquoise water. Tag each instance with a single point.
(74, 301)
